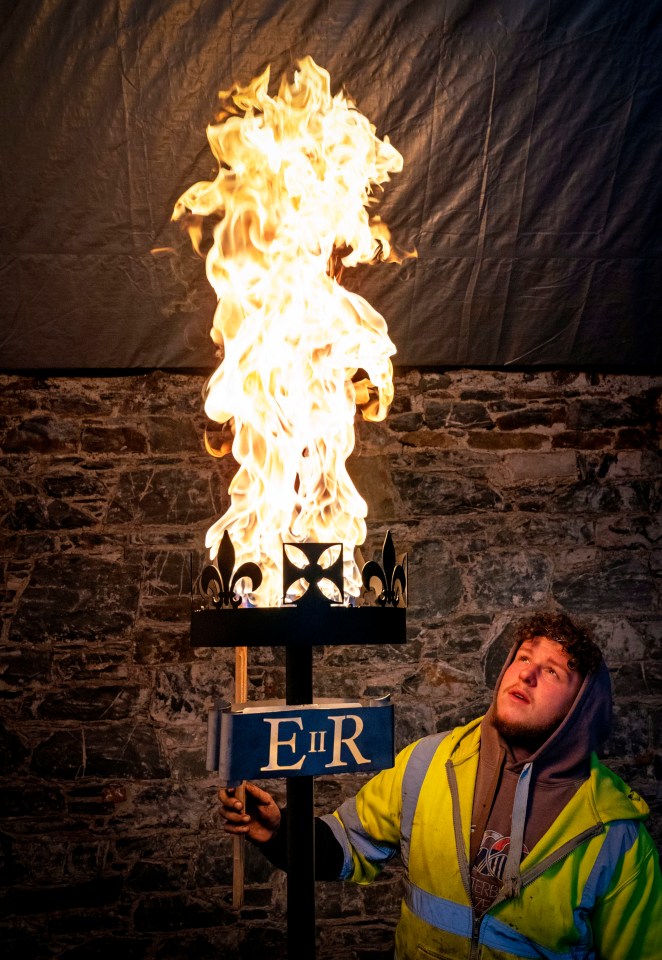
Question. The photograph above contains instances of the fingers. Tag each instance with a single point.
(229, 799)
(232, 811)
(261, 796)
(232, 807)
(247, 803)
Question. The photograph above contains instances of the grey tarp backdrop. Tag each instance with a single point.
(531, 133)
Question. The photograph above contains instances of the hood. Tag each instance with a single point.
(524, 793)
(586, 726)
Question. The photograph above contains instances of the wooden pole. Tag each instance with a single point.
(238, 843)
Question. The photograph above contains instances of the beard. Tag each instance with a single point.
(525, 736)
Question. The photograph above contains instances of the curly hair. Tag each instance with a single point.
(583, 653)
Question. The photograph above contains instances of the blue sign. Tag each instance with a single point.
(254, 742)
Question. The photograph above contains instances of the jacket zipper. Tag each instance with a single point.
(475, 935)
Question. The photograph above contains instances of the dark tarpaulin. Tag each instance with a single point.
(531, 134)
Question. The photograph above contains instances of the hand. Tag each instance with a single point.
(258, 819)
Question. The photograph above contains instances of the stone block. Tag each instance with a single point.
(433, 382)
(437, 439)
(179, 494)
(77, 597)
(401, 399)
(13, 751)
(439, 681)
(583, 440)
(627, 463)
(95, 800)
(169, 573)
(59, 756)
(49, 899)
(43, 434)
(510, 581)
(492, 397)
(212, 863)
(114, 438)
(165, 805)
(178, 912)
(543, 465)
(184, 693)
(86, 703)
(10, 871)
(413, 720)
(435, 583)
(30, 800)
(611, 585)
(92, 662)
(211, 944)
(458, 636)
(154, 644)
(170, 610)
(587, 497)
(186, 750)
(530, 416)
(451, 413)
(125, 749)
(524, 529)
(630, 735)
(20, 666)
(405, 422)
(620, 640)
(37, 513)
(508, 441)
(18, 945)
(599, 412)
(107, 946)
(174, 435)
(79, 485)
(630, 438)
(170, 874)
(434, 494)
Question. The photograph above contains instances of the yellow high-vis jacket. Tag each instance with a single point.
(590, 889)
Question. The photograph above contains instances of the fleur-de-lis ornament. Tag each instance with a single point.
(218, 581)
(391, 575)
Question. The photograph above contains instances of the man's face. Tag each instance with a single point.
(536, 692)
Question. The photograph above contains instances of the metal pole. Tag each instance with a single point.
(301, 829)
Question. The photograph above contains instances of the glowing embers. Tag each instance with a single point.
(287, 210)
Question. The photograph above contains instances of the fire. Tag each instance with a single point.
(290, 205)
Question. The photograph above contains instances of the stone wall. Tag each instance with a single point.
(509, 491)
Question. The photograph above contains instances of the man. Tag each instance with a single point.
(516, 840)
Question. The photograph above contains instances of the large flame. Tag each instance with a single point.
(289, 206)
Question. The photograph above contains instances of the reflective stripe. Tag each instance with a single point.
(621, 836)
(456, 919)
(359, 838)
(341, 837)
(438, 912)
(499, 936)
(412, 781)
